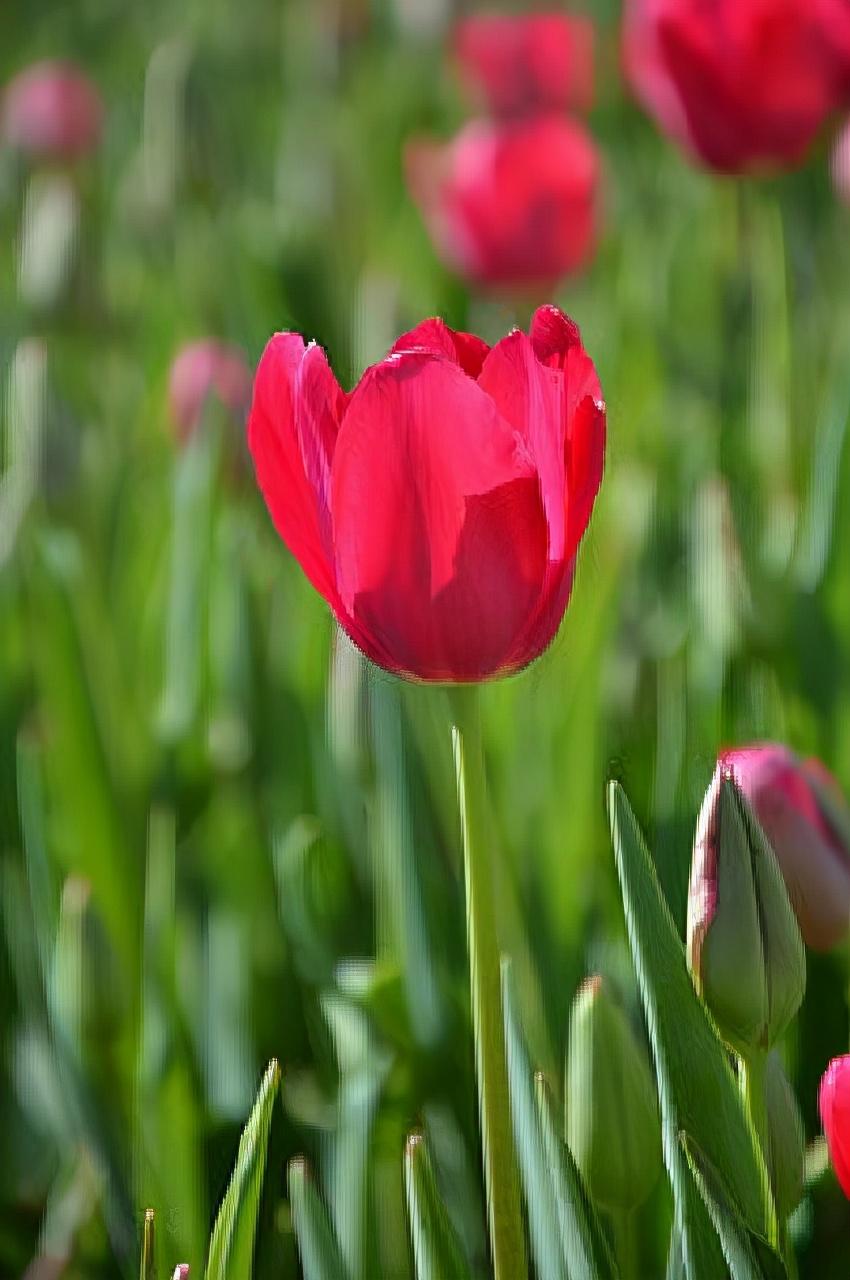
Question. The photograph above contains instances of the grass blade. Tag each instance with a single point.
(320, 1255)
(436, 1249)
(232, 1241)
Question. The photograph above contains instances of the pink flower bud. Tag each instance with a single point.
(834, 1105)
(800, 807)
(203, 369)
(51, 110)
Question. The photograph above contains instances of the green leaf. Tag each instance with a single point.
(586, 1250)
(320, 1255)
(232, 1241)
(697, 1090)
(436, 1249)
(147, 1267)
(749, 1257)
(535, 1176)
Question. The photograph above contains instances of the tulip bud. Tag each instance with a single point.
(744, 947)
(786, 1139)
(834, 1106)
(202, 370)
(52, 110)
(804, 816)
(613, 1126)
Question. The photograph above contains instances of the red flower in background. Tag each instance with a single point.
(515, 65)
(510, 203)
(202, 369)
(52, 110)
(804, 816)
(438, 508)
(741, 84)
(834, 1106)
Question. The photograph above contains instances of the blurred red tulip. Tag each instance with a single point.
(438, 508)
(510, 204)
(51, 110)
(514, 65)
(834, 1106)
(802, 812)
(742, 84)
(201, 369)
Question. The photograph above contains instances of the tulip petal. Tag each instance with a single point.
(288, 444)
(553, 335)
(439, 530)
(435, 336)
(834, 1105)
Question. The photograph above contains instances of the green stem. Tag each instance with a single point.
(752, 1072)
(507, 1241)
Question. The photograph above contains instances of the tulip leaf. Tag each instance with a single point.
(748, 1256)
(535, 1176)
(320, 1255)
(697, 1090)
(586, 1250)
(436, 1249)
(232, 1241)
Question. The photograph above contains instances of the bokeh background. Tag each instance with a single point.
(223, 836)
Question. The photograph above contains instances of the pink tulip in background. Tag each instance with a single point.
(510, 204)
(51, 110)
(519, 64)
(201, 369)
(834, 1106)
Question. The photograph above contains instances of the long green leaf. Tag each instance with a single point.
(586, 1250)
(535, 1176)
(749, 1257)
(697, 1089)
(232, 1241)
(320, 1255)
(436, 1250)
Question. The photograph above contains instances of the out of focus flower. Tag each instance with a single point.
(744, 947)
(510, 204)
(51, 110)
(742, 84)
(801, 809)
(613, 1125)
(834, 1105)
(518, 64)
(840, 163)
(203, 369)
(438, 508)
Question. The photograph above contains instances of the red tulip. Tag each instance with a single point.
(834, 1105)
(438, 508)
(742, 84)
(51, 109)
(525, 63)
(510, 204)
(800, 807)
(202, 369)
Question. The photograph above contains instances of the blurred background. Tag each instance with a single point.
(224, 837)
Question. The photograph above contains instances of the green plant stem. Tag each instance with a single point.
(507, 1241)
(752, 1072)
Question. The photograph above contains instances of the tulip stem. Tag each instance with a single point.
(752, 1073)
(507, 1240)
(625, 1243)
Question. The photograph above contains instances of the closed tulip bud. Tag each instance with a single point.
(834, 1106)
(786, 1137)
(203, 370)
(803, 813)
(744, 947)
(516, 64)
(510, 205)
(51, 110)
(740, 84)
(440, 505)
(613, 1125)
